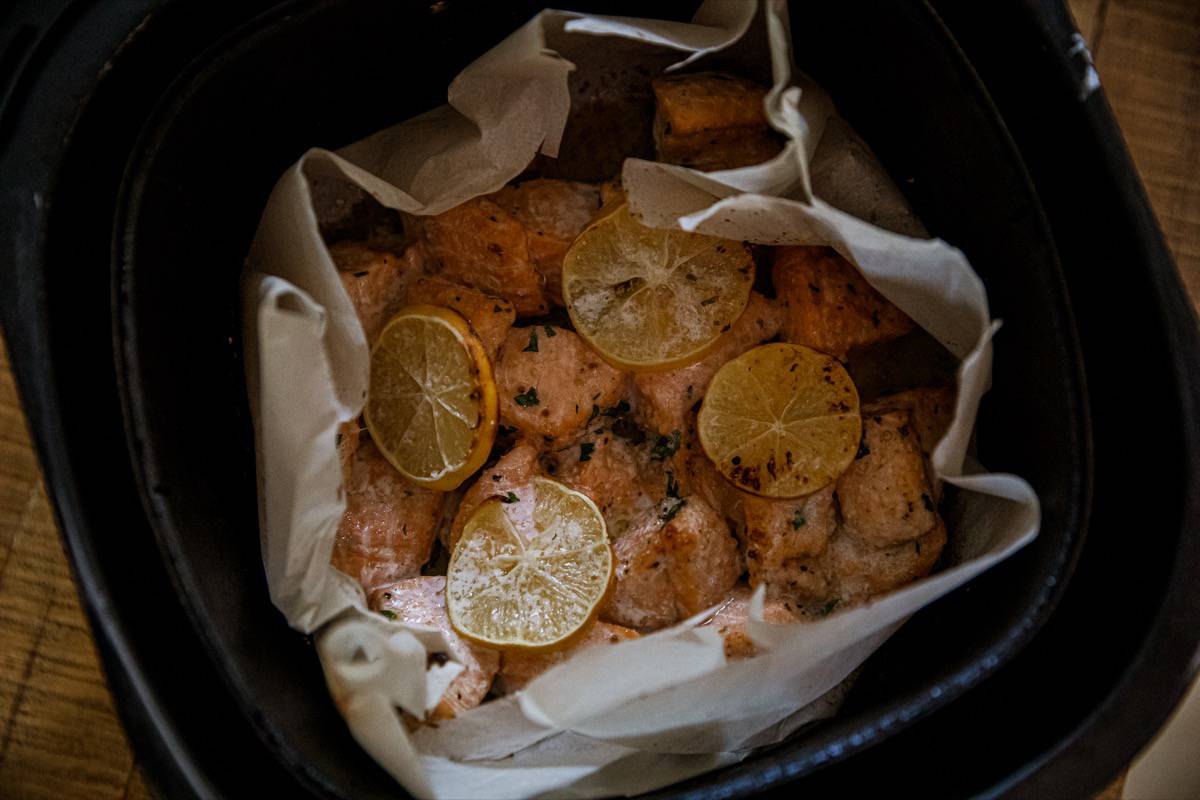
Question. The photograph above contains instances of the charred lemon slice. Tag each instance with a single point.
(530, 570)
(649, 299)
(781, 420)
(431, 406)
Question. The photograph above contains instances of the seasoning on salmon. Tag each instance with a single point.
(864, 572)
(779, 536)
(711, 121)
(422, 601)
(672, 564)
(481, 245)
(610, 470)
(490, 317)
(389, 525)
(885, 495)
(828, 305)
(553, 213)
(931, 410)
(548, 392)
(511, 243)
(374, 280)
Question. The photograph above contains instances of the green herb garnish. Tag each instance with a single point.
(585, 451)
(527, 399)
(511, 497)
(532, 346)
(665, 447)
(671, 508)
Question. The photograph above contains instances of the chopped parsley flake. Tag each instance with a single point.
(585, 451)
(828, 608)
(798, 521)
(671, 508)
(511, 497)
(672, 485)
(665, 447)
(527, 399)
(388, 614)
(532, 346)
(550, 332)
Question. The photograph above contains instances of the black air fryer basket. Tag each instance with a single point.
(122, 129)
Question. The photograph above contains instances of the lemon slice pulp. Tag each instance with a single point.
(649, 299)
(781, 420)
(530, 570)
(431, 406)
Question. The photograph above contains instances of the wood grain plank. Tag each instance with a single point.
(1089, 19)
(59, 732)
(1149, 64)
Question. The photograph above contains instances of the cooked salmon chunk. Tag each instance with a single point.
(864, 572)
(730, 621)
(664, 399)
(931, 412)
(517, 668)
(781, 537)
(374, 280)
(490, 317)
(885, 494)
(676, 562)
(549, 380)
(347, 446)
(609, 470)
(828, 305)
(700, 476)
(514, 472)
(422, 601)
(389, 525)
(553, 212)
(481, 245)
(712, 121)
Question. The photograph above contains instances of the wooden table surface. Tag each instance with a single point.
(59, 734)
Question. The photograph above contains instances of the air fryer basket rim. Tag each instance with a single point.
(227, 50)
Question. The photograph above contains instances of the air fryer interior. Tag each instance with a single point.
(326, 75)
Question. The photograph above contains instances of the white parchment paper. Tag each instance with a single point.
(646, 713)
